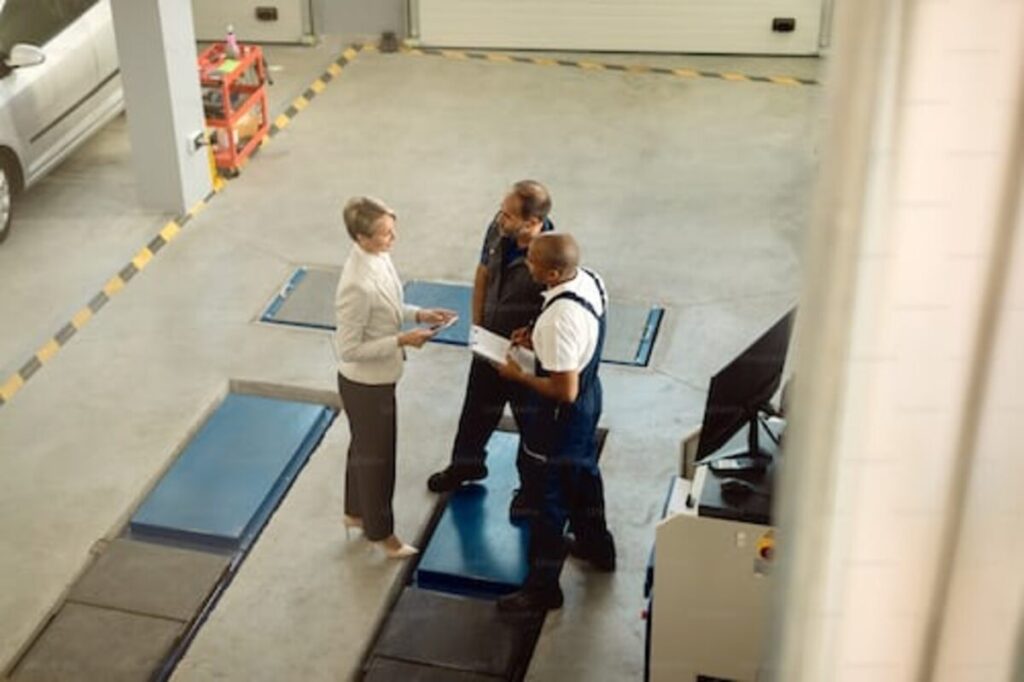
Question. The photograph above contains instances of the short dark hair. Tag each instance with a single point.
(556, 250)
(534, 199)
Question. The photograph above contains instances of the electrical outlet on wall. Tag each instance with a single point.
(266, 13)
(783, 24)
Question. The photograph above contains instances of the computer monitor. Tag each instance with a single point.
(742, 389)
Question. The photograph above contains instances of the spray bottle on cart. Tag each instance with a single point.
(231, 44)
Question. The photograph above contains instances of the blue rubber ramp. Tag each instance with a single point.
(475, 550)
(229, 478)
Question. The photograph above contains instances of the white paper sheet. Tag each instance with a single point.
(495, 348)
(488, 345)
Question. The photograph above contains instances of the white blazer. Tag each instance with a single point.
(369, 312)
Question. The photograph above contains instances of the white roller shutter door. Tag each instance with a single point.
(708, 26)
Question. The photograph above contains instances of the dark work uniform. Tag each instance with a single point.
(562, 437)
(511, 300)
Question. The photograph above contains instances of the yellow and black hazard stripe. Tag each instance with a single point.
(588, 65)
(167, 234)
(111, 288)
(314, 89)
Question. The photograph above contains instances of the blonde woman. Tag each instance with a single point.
(370, 310)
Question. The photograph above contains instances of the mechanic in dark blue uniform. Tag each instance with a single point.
(559, 427)
(505, 298)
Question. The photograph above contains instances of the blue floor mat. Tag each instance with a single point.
(457, 297)
(229, 478)
(475, 550)
(307, 300)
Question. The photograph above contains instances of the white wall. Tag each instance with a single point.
(213, 16)
(902, 534)
(983, 616)
(350, 19)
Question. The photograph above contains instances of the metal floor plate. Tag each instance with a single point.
(457, 633)
(389, 670)
(632, 330)
(141, 577)
(307, 300)
(91, 644)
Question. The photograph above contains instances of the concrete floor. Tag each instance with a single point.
(688, 193)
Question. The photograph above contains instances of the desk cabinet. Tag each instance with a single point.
(710, 594)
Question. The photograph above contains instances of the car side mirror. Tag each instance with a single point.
(23, 54)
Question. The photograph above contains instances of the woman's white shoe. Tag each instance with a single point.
(396, 549)
(403, 552)
(351, 522)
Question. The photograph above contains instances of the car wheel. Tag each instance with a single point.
(6, 194)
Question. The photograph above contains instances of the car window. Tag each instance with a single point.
(37, 21)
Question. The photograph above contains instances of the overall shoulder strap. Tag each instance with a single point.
(572, 296)
(600, 287)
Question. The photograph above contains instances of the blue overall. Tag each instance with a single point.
(562, 439)
(511, 300)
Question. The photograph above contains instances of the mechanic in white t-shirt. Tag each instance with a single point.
(560, 426)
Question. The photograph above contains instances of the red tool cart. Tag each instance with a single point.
(234, 103)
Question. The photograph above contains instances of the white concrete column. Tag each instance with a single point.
(901, 542)
(157, 54)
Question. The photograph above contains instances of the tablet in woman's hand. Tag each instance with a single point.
(444, 325)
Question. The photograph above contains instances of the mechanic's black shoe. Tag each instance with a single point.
(521, 509)
(601, 557)
(531, 600)
(452, 477)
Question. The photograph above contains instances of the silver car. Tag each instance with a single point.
(59, 83)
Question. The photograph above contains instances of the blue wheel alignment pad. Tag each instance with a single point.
(634, 328)
(457, 297)
(227, 481)
(650, 333)
(270, 314)
(475, 550)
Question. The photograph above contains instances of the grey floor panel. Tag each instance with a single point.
(311, 303)
(150, 579)
(90, 644)
(626, 325)
(458, 633)
(390, 670)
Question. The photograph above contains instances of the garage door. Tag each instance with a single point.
(725, 26)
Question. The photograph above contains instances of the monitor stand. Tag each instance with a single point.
(752, 458)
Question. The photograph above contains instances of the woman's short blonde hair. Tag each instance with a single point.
(361, 215)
